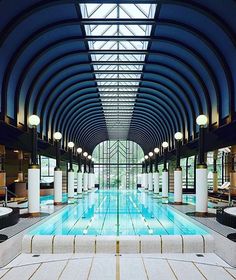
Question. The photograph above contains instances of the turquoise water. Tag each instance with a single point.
(117, 213)
(187, 198)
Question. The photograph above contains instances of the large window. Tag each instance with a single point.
(47, 169)
(117, 164)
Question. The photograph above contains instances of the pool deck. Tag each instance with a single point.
(221, 231)
(120, 267)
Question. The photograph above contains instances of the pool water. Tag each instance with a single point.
(109, 212)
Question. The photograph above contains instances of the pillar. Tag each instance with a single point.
(201, 176)
(165, 184)
(71, 179)
(150, 182)
(156, 182)
(34, 190)
(201, 190)
(178, 190)
(79, 182)
(57, 187)
(85, 182)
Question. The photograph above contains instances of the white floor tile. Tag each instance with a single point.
(3, 271)
(77, 269)
(231, 271)
(185, 270)
(158, 269)
(50, 270)
(214, 272)
(132, 269)
(22, 272)
(103, 268)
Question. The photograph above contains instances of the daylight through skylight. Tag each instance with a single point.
(118, 36)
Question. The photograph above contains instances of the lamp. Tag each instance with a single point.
(165, 145)
(71, 146)
(156, 151)
(57, 137)
(201, 170)
(79, 152)
(34, 120)
(34, 171)
(202, 120)
(150, 154)
(178, 137)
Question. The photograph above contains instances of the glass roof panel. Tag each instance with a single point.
(118, 74)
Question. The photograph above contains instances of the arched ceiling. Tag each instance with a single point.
(99, 70)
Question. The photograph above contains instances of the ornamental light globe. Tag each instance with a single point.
(165, 145)
(79, 150)
(150, 154)
(71, 145)
(57, 135)
(202, 120)
(178, 136)
(156, 150)
(34, 120)
(146, 157)
(85, 154)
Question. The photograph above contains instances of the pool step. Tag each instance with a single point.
(58, 244)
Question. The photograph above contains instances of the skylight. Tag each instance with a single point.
(118, 36)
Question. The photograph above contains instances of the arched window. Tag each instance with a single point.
(118, 164)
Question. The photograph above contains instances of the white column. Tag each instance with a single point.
(201, 190)
(178, 189)
(165, 184)
(85, 182)
(93, 180)
(90, 181)
(71, 187)
(142, 180)
(57, 187)
(156, 182)
(79, 182)
(150, 182)
(34, 190)
(145, 181)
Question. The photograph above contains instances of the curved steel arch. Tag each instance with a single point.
(33, 37)
(209, 44)
(35, 60)
(85, 122)
(149, 119)
(76, 111)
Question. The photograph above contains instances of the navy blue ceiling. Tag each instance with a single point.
(46, 69)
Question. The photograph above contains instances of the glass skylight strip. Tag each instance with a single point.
(117, 88)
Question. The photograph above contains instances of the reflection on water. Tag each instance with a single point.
(117, 213)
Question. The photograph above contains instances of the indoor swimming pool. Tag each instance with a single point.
(110, 212)
(187, 198)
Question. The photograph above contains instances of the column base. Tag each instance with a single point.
(178, 203)
(34, 215)
(201, 214)
(60, 203)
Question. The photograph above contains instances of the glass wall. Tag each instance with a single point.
(47, 166)
(118, 164)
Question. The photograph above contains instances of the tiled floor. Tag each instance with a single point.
(104, 266)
